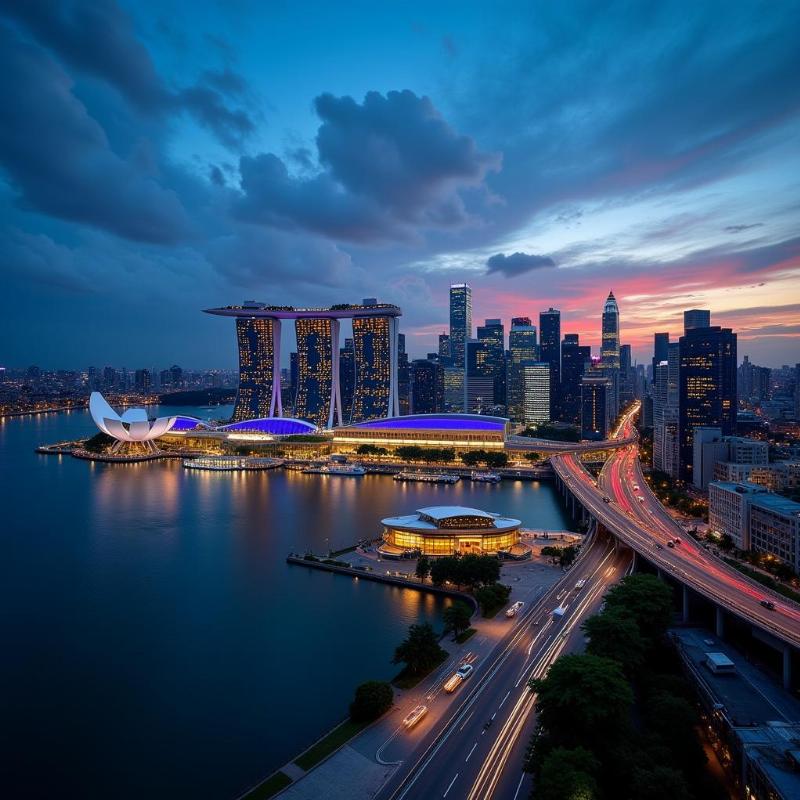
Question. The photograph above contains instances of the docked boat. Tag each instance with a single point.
(486, 477)
(346, 470)
(231, 463)
(426, 477)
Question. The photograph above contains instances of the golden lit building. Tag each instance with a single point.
(447, 530)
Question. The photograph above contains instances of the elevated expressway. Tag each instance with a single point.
(637, 519)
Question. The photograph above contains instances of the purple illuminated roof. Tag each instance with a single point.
(275, 426)
(440, 422)
(188, 424)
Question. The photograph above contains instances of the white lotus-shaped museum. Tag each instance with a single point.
(132, 426)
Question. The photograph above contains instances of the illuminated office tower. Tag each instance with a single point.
(626, 376)
(479, 378)
(493, 334)
(595, 401)
(660, 345)
(609, 347)
(536, 378)
(707, 387)
(550, 351)
(403, 376)
(522, 347)
(696, 318)
(375, 341)
(425, 386)
(460, 321)
(347, 377)
(575, 360)
(444, 349)
(453, 389)
(318, 398)
(259, 392)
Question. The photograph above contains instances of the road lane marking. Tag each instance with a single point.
(519, 786)
(471, 752)
(504, 699)
(450, 786)
(466, 721)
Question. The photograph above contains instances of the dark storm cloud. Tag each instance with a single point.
(389, 163)
(97, 37)
(59, 158)
(740, 228)
(517, 263)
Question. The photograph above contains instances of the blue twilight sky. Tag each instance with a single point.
(160, 158)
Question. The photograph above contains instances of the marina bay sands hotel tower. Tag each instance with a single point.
(318, 398)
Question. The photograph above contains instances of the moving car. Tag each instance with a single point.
(512, 612)
(455, 680)
(415, 716)
(768, 604)
(580, 584)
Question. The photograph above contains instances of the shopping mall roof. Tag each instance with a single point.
(441, 422)
(430, 519)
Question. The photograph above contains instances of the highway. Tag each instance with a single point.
(551, 446)
(637, 517)
(476, 748)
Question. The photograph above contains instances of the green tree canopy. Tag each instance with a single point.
(423, 568)
(647, 600)
(372, 699)
(457, 617)
(615, 634)
(420, 650)
(584, 700)
(567, 775)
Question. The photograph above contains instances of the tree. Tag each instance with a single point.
(673, 719)
(647, 600)
(370, 450)
(372, 699)
(584, 700)
(568, 555)
(471, 458)
(420, 650)
(491, 597)
(423, 568)
(444, 569)
(457, 617)
(553, 553)
(533, 456)
(615, 634)
(726, 542)
(659, 783)
(567, 775)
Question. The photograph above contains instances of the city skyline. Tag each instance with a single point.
(185, 163)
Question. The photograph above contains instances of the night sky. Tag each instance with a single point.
(160, 158)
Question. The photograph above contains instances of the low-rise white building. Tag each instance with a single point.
(729, 510)
(775, 528)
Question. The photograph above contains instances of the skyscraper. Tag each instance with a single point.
(625, 376)
(609, 348)
(479, 379)
(665, 412)
(550, 352)
(257, 395)
(493, 334)
(375, 343)
(696, 318)
(660, 344)
(536, 377)
(403, 376)
(347, 378)
(424, 386)
(318, 398)
(444, 349)
(574, 361)
(707, 387)
(595, 416)
(522, 347)
(460, 321)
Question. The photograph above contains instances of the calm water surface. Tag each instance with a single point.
(154, 641)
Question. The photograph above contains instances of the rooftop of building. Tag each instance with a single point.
(432, 517)
(778, 503)
(742, 487)
(442, 422)
(338, 311)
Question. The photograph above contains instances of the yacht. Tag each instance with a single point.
(486, 477)
(351, 470)
(426, 477)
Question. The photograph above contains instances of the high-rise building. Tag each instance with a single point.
(797, 392)
(347, 378)
(660, 344)
(595, 403)
(293, 378)
(479, 378)
(142, 380)
(375, 342)
(444, 349)
(460, 321)
(522, 347)
(257, 396)
(753, 383)
(536, 377)
(626, 376)
(424, 386)
(176, 375)
(453, 389)
(574, 361)
(609, 347)
(318, 397)
(707, 387)
(493, 334)
(550, 352)
(696, 318)
(403, 376)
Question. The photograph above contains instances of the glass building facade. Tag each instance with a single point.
(609, 347)
(374, 340)
(492, 333)
(707, 388)
(460, 321)
(550, 351)
(256, 340)
(574, 361)
(522, 347)
(318, 399)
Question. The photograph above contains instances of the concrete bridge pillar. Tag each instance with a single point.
(720, 622)
(787, 666)
(685, 603)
